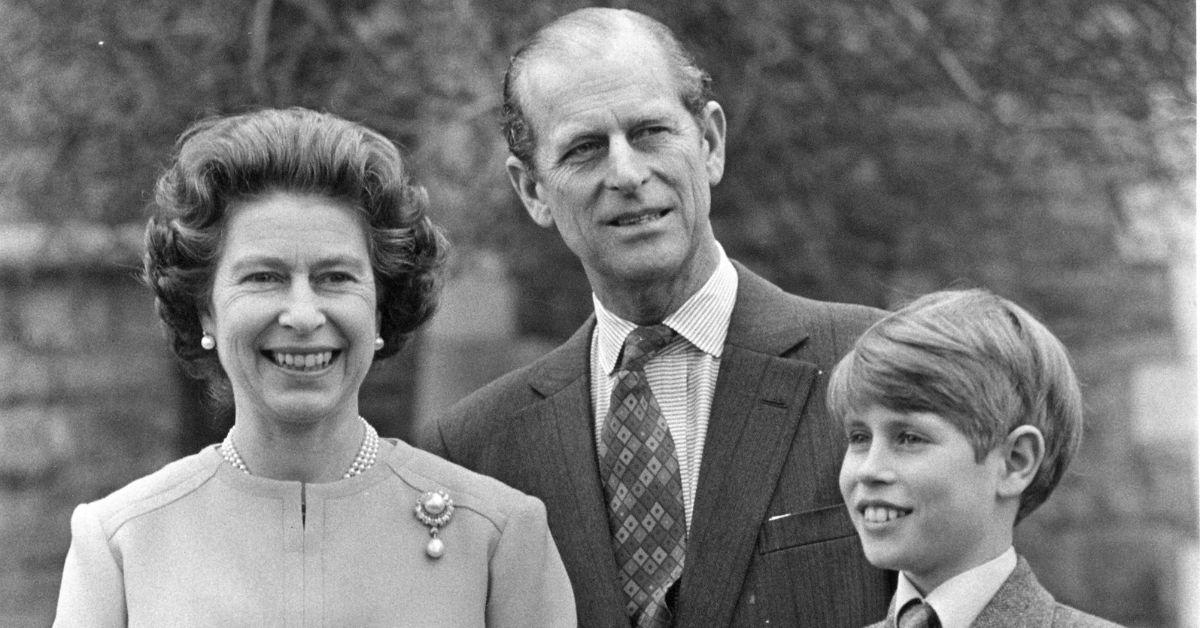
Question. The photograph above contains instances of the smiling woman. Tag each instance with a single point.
(288, 251)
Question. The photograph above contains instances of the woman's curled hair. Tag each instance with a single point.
(220, 161)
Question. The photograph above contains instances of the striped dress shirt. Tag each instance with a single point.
(682, 376)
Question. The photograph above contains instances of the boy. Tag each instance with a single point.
(962, 412)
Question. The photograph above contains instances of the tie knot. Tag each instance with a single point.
(917, 614)
(642, 343)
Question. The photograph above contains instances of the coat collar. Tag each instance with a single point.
(763, 321)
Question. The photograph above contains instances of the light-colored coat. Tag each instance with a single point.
(770, 537)
(199, 543)
(1022, 602)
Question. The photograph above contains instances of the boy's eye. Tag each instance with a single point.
(858, 437)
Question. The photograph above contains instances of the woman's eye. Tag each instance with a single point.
(858, 438)
(260, 277)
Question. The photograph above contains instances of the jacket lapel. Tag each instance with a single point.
(561, 422)
(758, 397)
(1021, 596)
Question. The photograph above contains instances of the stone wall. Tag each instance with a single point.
(89, 399)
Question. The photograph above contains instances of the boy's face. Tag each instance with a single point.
(920, 501)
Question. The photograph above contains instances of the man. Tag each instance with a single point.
(679, 438)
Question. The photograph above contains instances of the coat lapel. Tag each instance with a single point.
(570, 481)
(1021, 596)
(758, 397)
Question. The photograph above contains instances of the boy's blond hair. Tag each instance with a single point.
(978, 361)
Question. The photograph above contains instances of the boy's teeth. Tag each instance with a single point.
(303, 361)
(881, 514)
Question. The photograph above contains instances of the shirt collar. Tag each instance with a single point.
(702, 320)
(959, 600)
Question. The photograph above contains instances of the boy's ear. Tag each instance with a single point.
(1023, 451)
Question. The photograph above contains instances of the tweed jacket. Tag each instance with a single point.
(1021, 602)
(770, 539)
(199, 543)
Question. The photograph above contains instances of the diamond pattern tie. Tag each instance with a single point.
(917, 614)
(643, 485)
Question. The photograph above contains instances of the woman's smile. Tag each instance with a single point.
(304, 362)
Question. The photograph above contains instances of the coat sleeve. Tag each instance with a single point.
(528, 585)
(93, 586)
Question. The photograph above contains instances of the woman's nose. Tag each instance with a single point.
(302, 311)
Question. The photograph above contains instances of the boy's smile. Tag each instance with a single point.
(920, 501)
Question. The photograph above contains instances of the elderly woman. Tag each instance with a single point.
(288, 251)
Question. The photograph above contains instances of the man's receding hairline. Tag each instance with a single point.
(578, 38)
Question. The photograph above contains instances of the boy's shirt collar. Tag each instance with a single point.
(959, 600)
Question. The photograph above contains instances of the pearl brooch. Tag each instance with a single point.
(434, 509)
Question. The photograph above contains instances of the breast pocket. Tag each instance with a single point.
(796, 529)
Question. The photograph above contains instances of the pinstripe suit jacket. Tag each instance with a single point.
(770, 538)
(1022, 602)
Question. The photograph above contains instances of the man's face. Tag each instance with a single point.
(623, 170)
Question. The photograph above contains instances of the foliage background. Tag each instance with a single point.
(878, 149)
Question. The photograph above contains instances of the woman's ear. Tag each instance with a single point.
(1023, 451)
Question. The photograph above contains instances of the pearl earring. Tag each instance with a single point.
(207, 342)
(378, 342)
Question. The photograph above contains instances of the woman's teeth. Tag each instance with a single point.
(881, 514)
(302, 361)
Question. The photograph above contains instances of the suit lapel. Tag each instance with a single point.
(758, 397)
(1021, 596)
(561, 425)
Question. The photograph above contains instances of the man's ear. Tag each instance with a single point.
(1023, 451)
(712, 129)
(525, 183)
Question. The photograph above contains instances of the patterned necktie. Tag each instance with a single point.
(643, 485)
(917, 614)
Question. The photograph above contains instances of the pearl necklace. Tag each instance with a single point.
(365, 459)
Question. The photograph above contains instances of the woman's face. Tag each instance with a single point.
(293, 307)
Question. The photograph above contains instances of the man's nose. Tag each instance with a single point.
(302, 312)
(627, 167)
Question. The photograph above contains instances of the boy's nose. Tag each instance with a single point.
(874, 466)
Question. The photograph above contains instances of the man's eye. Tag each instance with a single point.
(338, 277)
(650, 131)
(583, 150)
(909, 438)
